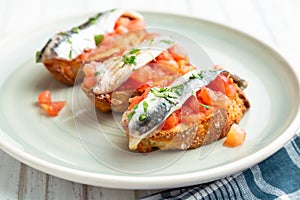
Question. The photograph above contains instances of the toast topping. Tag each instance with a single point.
(162, 102)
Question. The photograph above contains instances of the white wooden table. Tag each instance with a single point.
(277, 22)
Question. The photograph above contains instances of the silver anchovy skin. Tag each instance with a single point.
(114, 72)
(144, 121)
(70, 44)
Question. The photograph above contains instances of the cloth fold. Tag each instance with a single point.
(277, 177)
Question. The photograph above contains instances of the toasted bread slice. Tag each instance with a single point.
(207, 130)
(67, 71)
(116, 101)
(102, 36)
(154, 68)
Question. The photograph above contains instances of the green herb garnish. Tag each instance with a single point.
(167, 41)
(70, 54)
(96, 74)
(142, 117)
(63, 33)
(145, 106)
(200, 74)
(135, 107)
(130, 115)
(166, 93)
(151, 41)
(205, 106)
(75, 30)
(134, 50)
(98, 39)
(113, 10)
(37, 56)
(128, 60)
(93, 20)
(179, 89)
(194, 76)
(69, 40)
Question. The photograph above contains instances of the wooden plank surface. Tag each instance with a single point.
(276, 22)
(10, 171)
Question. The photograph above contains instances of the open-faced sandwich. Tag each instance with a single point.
(157, 61)
(196, 109)
(102, 36)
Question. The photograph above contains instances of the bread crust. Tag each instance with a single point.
(207, 130)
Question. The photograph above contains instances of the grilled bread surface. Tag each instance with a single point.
(208, 129)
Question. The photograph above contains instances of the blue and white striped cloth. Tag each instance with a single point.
(277, 177)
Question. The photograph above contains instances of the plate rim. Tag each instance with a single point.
(156, 182)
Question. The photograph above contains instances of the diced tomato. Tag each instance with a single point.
(191, 106)
(144, 75)
(165, 55)
(124, 21)
(170, 65)
(137, 99)
(124, 24)
(172, 121)
(223, 84)
(184, 68)
(178, 53)
(204, 96)
(120, 29)
(134, 101)
(175, 60)
(136, 24)
(51, 108)
(182, 62)
(143, 88)
(44, 97)
(218, 67)
(235, 137)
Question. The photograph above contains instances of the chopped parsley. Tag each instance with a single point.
(130, 115)
(193, 76)
(113, 10)
(97, 74)
(69, 40)
(98, 39)
(93, 20)
(200, 74)
(37, 56)
(134, 51)
(205, 106)
(145, 106)
(142, 117)
(167, 41)
(135, 107)
(128, 60)
(63, 33)
(179, 89)
(151, 41)
(166, 93)
(75, 30)
(70, 54)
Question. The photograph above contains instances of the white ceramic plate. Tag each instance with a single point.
(52, 145)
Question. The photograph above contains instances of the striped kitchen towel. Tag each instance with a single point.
(277, 177)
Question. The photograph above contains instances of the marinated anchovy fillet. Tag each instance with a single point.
(70, 44)
(112, 73)
(101, 37)
(162, 102)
